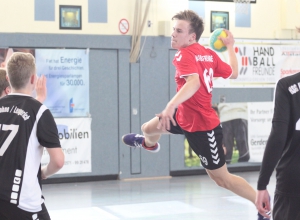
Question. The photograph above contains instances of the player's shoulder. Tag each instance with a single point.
(194, 47)
(24, 100)
(289, 84)
(32, 101)
(294, 78)
(195, 50)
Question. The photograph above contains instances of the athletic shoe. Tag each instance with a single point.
(260, 217)
(138, 141)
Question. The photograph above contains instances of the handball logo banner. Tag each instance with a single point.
(261, 63)
(256, 64)
(245, 60)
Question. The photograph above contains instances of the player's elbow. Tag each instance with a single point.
(58, 160)
(60, 163)
(234, 75)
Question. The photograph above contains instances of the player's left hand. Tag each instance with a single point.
(228, 40)
(262, 203)
(41, 88)
(166, 117)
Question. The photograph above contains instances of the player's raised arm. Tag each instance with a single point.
(41, 88)
(229, 43)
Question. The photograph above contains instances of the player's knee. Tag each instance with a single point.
(220, 182)
(145, 128)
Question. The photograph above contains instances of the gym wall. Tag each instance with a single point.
(117, 87)
(269, 18)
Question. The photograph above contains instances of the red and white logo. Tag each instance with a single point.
(178, 56)
(246, 61)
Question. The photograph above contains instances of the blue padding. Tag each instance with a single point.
(198, 7)
(243, 19)
(97, 11)
(44, 10)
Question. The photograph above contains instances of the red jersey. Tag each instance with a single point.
(196, 113)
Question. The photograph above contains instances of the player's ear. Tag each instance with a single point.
(193, 37)
(7, 90)
(33, 78)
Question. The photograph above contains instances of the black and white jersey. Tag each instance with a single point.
(283, 145)
(25, 126)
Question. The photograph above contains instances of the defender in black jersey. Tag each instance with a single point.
(283, 152)
(40, 86)
(26, 126)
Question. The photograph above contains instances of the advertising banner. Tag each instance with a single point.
(246, 127)
(259, 127)
(75, 139)
(261, 63)
(67, 73)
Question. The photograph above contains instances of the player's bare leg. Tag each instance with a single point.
(149, 139)
(234, 183)
(151, 132)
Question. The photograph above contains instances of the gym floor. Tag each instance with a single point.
(168, 198)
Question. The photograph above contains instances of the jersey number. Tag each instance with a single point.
(298, 125)
(208, 79)
(14, 130)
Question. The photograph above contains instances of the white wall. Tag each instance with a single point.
(18, 16)
(271, 19)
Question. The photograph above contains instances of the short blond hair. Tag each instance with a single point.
(3, 81)
(196, 22)
(20, 67)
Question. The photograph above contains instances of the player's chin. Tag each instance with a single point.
(174, 45)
